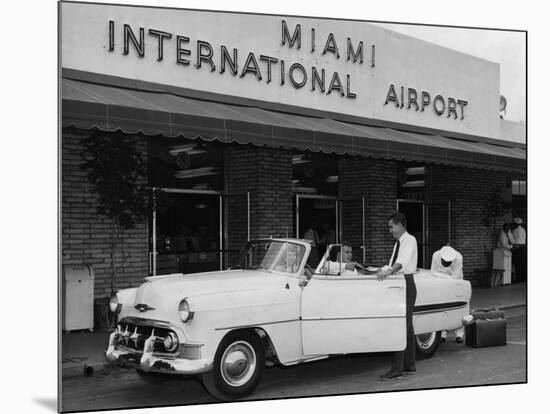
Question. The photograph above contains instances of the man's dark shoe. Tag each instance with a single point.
(442, 340)
(409, 371)
(459, 340)
(391, 375)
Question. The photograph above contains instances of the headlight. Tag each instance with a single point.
(185, 311)
(113, 304)
(171, 342)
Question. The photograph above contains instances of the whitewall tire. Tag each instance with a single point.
(238, 366)
(427, 344)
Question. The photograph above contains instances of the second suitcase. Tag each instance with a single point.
(486, 332)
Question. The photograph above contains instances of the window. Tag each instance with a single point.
(519, 188)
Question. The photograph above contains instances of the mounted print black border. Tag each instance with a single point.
(59, 188)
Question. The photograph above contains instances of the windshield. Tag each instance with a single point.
(332, 262)
(339, 261)
(272, 255)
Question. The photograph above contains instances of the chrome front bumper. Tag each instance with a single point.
(149, 362)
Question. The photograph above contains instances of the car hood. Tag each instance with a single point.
(163, 293)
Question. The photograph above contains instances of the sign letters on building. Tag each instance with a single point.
(340, 68)
(266, 68)
(263, 67)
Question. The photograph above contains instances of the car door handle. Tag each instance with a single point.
(395, 287)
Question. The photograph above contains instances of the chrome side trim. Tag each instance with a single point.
(254, 325)
(439, 310)
(357, 317)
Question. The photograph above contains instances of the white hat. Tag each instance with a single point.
(448, 253)
(518, 220)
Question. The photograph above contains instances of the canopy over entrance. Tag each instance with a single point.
(87, 104)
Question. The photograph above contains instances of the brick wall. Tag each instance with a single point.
(376, 180)
(86, 234)
(467, 189)
(267, 174)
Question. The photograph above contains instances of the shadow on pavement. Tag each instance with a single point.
(49, 403)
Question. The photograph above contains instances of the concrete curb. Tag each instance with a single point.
(500, 307)
(514, 305)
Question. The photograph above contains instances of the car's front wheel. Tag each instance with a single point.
(426, 344)
(238, 365)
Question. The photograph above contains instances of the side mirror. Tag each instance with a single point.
(303, 283)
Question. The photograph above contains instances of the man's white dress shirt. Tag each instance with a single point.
(519, 235)
(407, 255)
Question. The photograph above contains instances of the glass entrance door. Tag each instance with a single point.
(317, 219)
(353, 227)
(415, 211)
(186, 231)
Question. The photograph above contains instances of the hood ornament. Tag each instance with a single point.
(142, 307)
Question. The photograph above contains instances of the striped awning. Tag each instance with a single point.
(90, 105)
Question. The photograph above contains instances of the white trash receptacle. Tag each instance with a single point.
(78, 297)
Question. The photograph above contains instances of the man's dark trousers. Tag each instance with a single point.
(406, 360)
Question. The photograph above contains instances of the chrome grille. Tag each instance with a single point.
(133, 334)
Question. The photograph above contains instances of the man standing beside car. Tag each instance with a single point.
(404, 259)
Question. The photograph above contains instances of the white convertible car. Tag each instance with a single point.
(273, 308)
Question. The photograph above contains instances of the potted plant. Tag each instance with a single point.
(117, 174)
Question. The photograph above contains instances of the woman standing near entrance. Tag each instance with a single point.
(502, 255)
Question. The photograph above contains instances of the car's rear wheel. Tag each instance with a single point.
(426, 344)
(238, 365)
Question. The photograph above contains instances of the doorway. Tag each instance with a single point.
(317, 219)
(415, 212)
(186, 231)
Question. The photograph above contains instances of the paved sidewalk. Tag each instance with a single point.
(83, 351)
(503, 297)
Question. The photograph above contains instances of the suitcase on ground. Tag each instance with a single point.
(492, 313)
(486, 332)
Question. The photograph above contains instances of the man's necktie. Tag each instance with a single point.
(394, 258)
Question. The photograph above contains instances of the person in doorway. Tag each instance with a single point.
(327, 237)
(180, 242)
(195, 239)
(312, 235)
(448, 261)
(404, 260)
(330, 234)
(322, 241)
(343, 264)
(519, 253)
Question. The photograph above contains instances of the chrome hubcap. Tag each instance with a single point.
(425, 341)
(238, 363)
